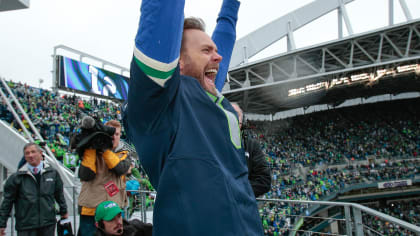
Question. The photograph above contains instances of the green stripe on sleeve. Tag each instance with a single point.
(149, 71)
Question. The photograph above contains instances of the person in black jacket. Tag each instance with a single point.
(110, 222)
(259, 173)
(33, 189)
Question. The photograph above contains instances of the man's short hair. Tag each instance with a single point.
(113, 123)
(31, 144)
(192, 23)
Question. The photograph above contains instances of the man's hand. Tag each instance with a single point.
(65, 216)
(2, 231)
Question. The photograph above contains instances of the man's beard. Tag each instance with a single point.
(191, 69)
(198, 74)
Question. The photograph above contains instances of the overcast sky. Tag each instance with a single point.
(106, 29)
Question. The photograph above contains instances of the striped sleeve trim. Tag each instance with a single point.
(157, 71)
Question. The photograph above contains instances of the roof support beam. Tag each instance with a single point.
(329, 73)
(416, 31)
(290, 38)
(270, 33)
(407, 49)
(256, 75)
(340, 23)
(343, 11)
(390, 12)
(381, 43)
(307, 64)
(235, 81)
(336, 58)
(406, 11)
(351, 54)
(280, 69)
(393, 46)
(364, 51)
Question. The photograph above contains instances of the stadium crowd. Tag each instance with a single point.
(404, 210)
(336, 149)
(56, 117)
(385, 130)
(310, 156)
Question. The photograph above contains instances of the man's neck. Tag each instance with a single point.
(39, 166)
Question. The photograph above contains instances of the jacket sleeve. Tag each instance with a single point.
(259, 171)
(224, 37)
(142, 228)
(10, 193)
(119, 163)
(87, 169)
(153, 83)
(59, 194)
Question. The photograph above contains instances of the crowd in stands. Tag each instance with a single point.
(385, 130)
(391, 170)
(311, 156)
(404, 210)
(331, 147)
(56, 116)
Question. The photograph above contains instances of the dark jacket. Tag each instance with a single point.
(34, 204)
(132, 228)
(259, 174)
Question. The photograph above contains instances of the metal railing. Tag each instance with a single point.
(66, 174)
(350, 218)
(330, 218)
(352, 221)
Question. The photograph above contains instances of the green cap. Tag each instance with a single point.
(107, 211)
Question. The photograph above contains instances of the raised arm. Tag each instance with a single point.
(158, 39)
(156, 56)
(224, 37)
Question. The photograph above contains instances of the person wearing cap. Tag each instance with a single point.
(109, 221)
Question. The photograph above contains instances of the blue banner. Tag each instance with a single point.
(86, 78)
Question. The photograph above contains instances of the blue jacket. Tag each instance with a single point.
(188, 140)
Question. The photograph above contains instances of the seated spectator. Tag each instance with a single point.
(109, 221)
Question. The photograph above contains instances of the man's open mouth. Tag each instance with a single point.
(210, 75)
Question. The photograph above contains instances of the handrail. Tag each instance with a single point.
(65, 173)
(50, 156)
(370, 211)
(9, 105)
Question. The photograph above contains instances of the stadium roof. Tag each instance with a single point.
(384, 61)
(8, 5)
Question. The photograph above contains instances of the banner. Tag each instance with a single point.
(79, 76)
(394, 184)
